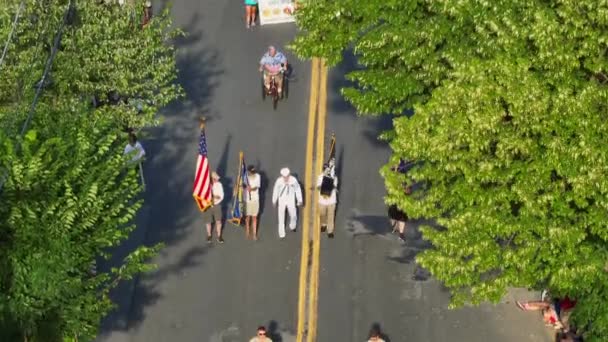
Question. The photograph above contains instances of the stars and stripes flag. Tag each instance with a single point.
(202, 177)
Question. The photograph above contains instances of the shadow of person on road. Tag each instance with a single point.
(273, 331)
(414, 245)
(264, 186)
(227, 182)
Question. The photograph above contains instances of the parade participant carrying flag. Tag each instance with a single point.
(327, 182)
(202, 181)
(238, 197)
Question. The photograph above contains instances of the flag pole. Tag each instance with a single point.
(141, 175)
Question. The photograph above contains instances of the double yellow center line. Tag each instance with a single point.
(309, 262)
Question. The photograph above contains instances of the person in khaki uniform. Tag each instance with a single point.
(252, 201)
(328, 198)
(214, 213)
(261, 336)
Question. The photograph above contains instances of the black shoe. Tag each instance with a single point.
(402, 237)
(209, 239)
(220, 240)
(294, 230)
(330, 235)
(323, 228)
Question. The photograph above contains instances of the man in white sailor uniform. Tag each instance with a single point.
(287, 194)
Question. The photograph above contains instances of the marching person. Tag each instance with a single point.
(328, 185)
(287, 193)
(252, 201)
(214, 213)
(261, 335)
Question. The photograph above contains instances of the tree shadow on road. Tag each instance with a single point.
(169, 209)
(376, 124)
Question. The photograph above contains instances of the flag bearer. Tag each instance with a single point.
(214, 213)
(287, 194)
(252, 201)
(328, 185)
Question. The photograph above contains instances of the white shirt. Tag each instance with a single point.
(287, 191)
(333, 198)
(254, 183)
(137, 156)
(217, 190)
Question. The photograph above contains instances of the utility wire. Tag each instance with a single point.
(41, 84)
(10, 35)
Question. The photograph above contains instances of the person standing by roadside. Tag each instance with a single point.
(134, 147)
(328, 185)
(147, 14)
(251, 7)
(214, 213)
(252, 201)
(287, 194)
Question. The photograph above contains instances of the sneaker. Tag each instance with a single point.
(253, 24)
(323, 228)
(330, 235)
(293, 230)
(220, 240)
(247, 26)
(402, 237)
(209, 239)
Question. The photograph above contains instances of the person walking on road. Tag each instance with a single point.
(261, 335)
(214, 213)
(251, 7)
(375, 335)
(252, 201)
(328, 185)
(287, 194)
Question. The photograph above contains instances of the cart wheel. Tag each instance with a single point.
(275, 100)
(286, 87)
(263, 90)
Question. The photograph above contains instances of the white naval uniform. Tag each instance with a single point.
(286, 194)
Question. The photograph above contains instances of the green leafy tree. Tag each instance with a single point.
(69, 195)
(509, 131)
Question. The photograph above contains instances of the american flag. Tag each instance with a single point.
(202, 181)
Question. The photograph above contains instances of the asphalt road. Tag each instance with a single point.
(220, 293)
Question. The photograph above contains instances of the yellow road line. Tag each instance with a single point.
(312, 111)
(314, 272)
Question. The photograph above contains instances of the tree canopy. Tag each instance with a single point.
(510, 101)
(69, 195)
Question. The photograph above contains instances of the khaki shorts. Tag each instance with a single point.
(213, 214)
(252, 208)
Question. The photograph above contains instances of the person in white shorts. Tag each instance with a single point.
(252, 201)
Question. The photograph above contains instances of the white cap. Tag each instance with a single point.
(284, 172)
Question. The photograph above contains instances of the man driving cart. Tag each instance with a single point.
(272, 64)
